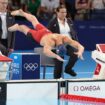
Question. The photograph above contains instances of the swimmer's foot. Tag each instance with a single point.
(17, 12)
(13, 28)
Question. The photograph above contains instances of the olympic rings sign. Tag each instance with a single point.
(30, 66)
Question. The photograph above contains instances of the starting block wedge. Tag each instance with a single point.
(99, 56)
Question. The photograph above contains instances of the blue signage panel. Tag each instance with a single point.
(30, 66)
(25, 66)
(16, 66)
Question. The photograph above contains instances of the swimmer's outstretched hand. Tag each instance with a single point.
(79, 54)
(60, 59)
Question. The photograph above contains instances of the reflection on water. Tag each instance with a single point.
(49, 102)
(32, 102)
(75, 102)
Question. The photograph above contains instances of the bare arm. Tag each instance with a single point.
(47, 51)
(76, 45)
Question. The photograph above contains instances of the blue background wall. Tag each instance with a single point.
(89, 33)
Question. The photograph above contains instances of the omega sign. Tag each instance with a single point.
(87, 88)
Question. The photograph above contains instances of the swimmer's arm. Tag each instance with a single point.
(76, 45)
(47, 51)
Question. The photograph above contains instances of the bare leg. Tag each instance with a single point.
(28, 16)
(22, 28)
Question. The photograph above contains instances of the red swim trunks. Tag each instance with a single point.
(38, 32)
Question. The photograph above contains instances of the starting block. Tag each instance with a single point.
(5, 64)
(99, 56)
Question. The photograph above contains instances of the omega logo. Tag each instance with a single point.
(86, 88)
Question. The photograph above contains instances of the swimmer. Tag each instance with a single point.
(45, 37)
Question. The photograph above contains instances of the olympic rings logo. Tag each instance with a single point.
(31, 66)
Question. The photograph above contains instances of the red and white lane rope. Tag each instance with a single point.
(81, 98)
